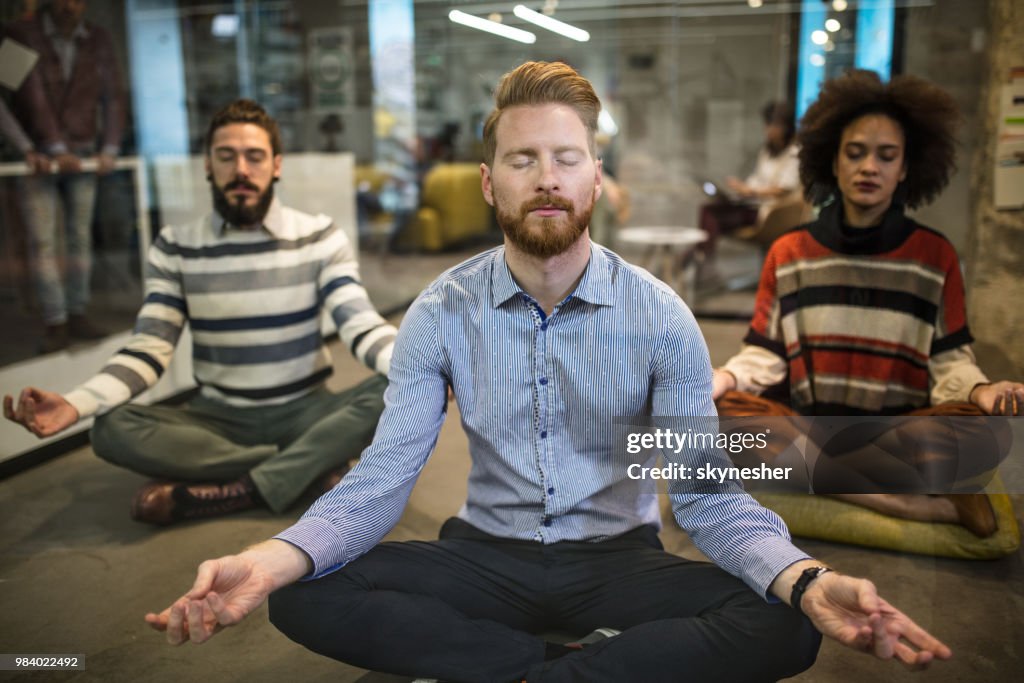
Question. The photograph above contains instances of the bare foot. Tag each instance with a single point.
(974, 511)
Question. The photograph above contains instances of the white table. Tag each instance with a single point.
(677, 249)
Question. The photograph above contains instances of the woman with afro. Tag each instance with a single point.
(861, 312)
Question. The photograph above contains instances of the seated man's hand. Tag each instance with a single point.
(773, 192)
(850, 611)
(738, 186)
(44, 413)
(228, 589)
(999, 398)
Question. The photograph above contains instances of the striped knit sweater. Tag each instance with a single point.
(863, 321)
(253, 300)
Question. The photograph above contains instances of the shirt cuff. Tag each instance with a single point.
(319, 539)
(766, 560)
(57, 148)
(83, 401)
(957, 387)
(756, 369)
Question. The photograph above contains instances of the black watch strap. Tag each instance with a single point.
(806, 577)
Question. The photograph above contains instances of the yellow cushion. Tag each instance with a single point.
(452, 191)
(829, 519)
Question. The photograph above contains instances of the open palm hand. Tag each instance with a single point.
(850, 611)
(226, 590)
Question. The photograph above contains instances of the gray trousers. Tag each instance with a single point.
(61, 275)
(283, 448)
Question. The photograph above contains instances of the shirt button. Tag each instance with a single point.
(544, 435)
(547, 520)
(543, 380)
(551, 490)
(544, 326)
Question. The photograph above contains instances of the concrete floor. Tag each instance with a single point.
(77, 575)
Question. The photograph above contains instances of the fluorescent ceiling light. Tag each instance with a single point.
(494, 27)
(554, 25)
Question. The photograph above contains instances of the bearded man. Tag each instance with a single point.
(251, 280)
(544, 341)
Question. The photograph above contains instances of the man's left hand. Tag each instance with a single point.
(850, 611)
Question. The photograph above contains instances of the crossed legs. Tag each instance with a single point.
(469, 607)
(283, 449)
(908, 453)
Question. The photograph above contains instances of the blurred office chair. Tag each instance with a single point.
(775, 218)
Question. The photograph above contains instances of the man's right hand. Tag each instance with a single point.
(228, 589)
(44, 413)
(68, 163)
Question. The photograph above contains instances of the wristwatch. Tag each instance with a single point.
(808, 575)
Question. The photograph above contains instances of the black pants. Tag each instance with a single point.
(466, 608)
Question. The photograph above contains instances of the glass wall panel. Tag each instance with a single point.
(683, 84)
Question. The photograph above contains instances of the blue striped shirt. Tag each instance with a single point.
(253, 299)
(538, 396)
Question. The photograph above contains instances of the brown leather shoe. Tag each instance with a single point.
(167, 502)
(976, 513)
(80, 327)
(54, 339)
(153, 503)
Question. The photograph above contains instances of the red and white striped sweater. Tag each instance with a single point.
(860, 321)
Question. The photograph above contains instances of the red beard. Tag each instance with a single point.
(545, 237)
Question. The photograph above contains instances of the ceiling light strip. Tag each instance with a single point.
(494, 27)
(554, 25)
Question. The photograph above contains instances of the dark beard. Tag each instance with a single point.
(238, 214)
(548, 238)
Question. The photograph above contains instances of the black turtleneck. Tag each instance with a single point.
(832, 230)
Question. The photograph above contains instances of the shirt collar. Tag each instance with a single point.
(595, 286)
(50, 28)
(273, 222)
